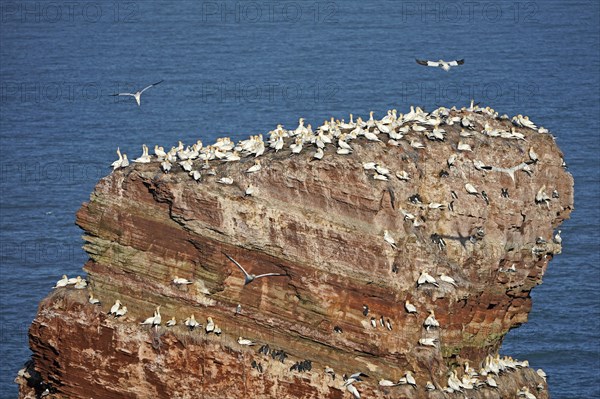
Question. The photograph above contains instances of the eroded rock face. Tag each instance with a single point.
(321, 223)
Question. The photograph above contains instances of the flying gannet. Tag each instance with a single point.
(248, 278)
(441, 63)
(137, 94)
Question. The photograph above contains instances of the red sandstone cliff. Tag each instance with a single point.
(320, 223)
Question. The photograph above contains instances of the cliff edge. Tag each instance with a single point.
(466, 197)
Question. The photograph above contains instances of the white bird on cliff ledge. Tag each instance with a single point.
(430, 321)
(389, 239)
(426, 278)
(245, 342)
(181, 281)
(171, 322)
(62, 282)
(448, 279)
(410, 308)
(93, 300)
(248, 278)
(121, 312)
(115, 307)
(191, 322)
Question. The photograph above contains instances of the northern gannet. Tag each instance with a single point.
(225, 180)
(426, 278)
(428, 342)
(463, 146)
(448, 279)
(62, 282)
(191, 322)
(471, 190)
(249, 190)
(429, 386)
(121, 162)
(410, 379)
(181, 281)
(409, 307)
(389, 239)
(245, 342)
(93, 300)
(145, 158)
(80, 283)
(248, 278)
(387, 383)
(196, 175)
(319, 154)
(171, 322)
(441, 63)
(557, 238)
(137, 94)
(115, 307)
(352, 389)
(430, 321)
(210, 325)
(403, 175)
(121, 312)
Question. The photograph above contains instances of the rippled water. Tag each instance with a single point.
(239, 68)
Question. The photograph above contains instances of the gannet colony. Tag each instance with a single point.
(428, 296)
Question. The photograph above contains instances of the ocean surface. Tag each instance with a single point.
(240, 68)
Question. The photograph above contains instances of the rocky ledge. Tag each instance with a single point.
(453, 211)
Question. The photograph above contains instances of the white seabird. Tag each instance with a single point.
(191, 322)
(426, 278)
(145, 158)
(137, 95)
(430, 321)
(248, 278)
(471, 190)
(181, 281)
(441, 63)
(558, 238)
(121, 312)
(410, 308)
(389, 239)
(244, 341)
(428, 342)
(115, 307)
(210, 325)
(249, 190)
(352, 389)
(62, 282)
(171, 322)
(254, 168)
(93, 300)
(448, 279)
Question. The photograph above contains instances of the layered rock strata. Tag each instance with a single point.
(321, 223)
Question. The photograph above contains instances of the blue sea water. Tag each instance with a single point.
(240, 67)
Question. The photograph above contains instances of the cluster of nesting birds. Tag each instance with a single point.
(415, 127)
